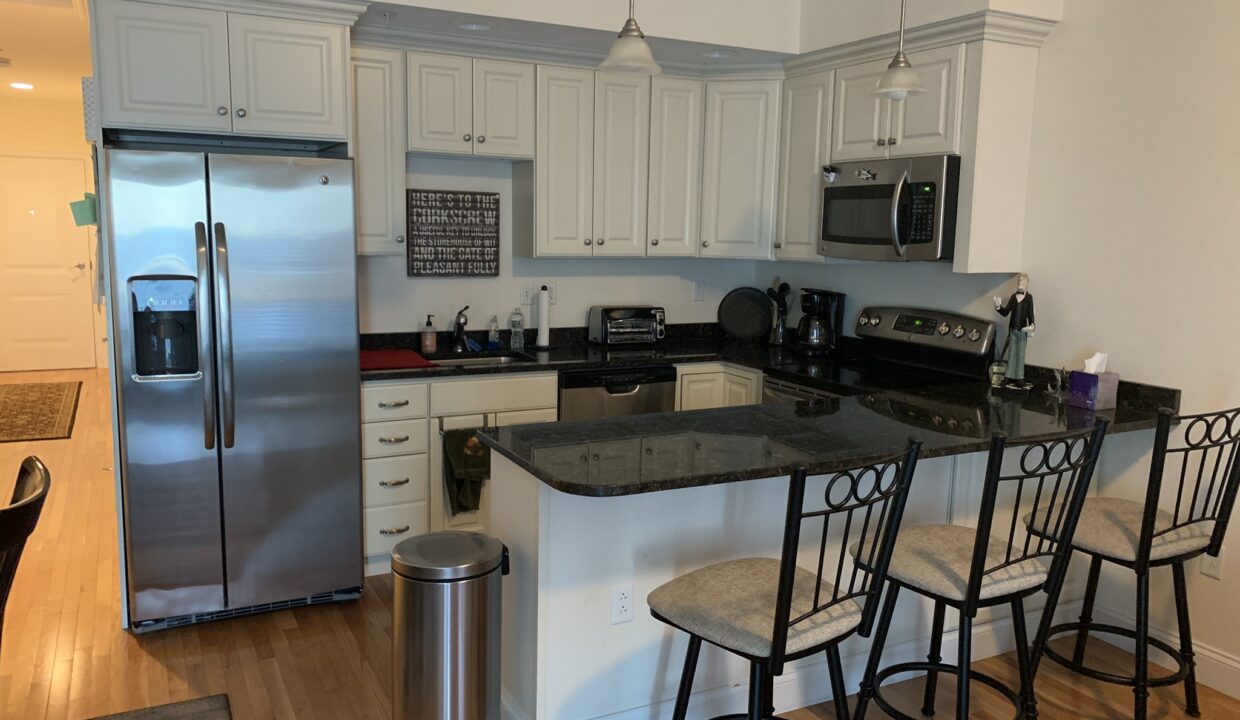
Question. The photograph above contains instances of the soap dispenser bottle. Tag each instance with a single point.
(430, 339)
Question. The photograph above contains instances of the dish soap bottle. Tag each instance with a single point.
(430, 339)
(493, 333)
(516, 323)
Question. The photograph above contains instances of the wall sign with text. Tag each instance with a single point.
(453, 233)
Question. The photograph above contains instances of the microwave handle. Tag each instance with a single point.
(895, 214)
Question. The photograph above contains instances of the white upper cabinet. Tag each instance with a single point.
(675, 196)
(564, 163)
(740, 169)
(379, 150)
(621, 163)
(176, 68)
(805, 141)
(162, 67)
(441, 99)
(870, 126)
(288, 78)
(503, 109)
(470, 107)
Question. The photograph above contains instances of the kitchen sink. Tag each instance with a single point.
(493, 360)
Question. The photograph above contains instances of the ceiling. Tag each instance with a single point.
(48, 45)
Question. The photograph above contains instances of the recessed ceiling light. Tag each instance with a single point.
(717, 54)
(474, 26)
(21, 86)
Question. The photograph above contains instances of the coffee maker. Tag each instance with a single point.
(821, 321)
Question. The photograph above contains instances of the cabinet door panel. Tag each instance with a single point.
(675, 196)
(525, 417)
(441, 103)
(805, 140)
(162, 67)
(621, 163)
(441, 513)
(929, 123)
(701, 391)
(739, 169)
(861, 118)
(288, 78)
(379, 150)
(564, 164)
(503, 109)
(738, 390)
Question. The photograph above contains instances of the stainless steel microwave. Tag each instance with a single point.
(902, 209)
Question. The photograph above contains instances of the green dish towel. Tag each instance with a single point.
(467, 464)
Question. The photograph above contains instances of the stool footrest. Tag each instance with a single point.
(1128, 680)
(1013, 696)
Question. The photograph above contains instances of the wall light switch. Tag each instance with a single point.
(699, 291)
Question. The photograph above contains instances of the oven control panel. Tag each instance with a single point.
(928, 328)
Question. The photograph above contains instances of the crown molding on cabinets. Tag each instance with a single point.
(986, 25)
(340, 12)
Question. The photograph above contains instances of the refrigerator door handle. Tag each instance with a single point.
(205, 355)
(224, 296)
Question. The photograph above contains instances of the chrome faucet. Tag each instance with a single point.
(458, 332)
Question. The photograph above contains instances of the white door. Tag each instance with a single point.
(288, 77)
(162, 67)
(379, 150)
(441, 101)
(861, 119)
(503, 109)
(564, 162)
(740, 169)
(675, 197)
(929, 123)
(46, 303)
(701, 391)
(805, 141)
(621, 163)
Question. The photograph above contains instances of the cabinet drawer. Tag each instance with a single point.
(386, 526)
(397, 437)
(393, 402)
(392, 480)
(522, 392)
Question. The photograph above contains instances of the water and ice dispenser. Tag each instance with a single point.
(165, 325)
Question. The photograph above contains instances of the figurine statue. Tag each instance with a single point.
(1019, 310)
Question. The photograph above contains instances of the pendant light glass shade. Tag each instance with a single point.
(900, 79)
(630, 53)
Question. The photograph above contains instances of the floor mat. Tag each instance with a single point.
(38, 411)
(214, 707)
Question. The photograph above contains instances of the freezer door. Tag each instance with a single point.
(161, 314)
(282, 231)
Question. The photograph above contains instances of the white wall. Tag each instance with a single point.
(392, 302)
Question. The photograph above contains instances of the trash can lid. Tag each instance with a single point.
(453, 555)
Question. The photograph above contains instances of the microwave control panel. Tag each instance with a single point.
(924, 198)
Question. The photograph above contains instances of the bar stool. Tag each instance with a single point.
(17, 520)
(1204, 475)
(968, 568)
(772, 611)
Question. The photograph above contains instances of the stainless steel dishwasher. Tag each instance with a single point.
(607, 393)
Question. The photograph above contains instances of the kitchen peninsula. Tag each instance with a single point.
(598, 507)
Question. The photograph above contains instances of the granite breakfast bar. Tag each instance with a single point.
(591, 509)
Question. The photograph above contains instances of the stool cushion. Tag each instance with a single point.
(1112, 527)
(732, 605)
(938, 559)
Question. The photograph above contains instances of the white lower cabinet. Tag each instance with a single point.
(395, 468)
(715, 385)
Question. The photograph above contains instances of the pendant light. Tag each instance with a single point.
(630, 53)
(900, 78)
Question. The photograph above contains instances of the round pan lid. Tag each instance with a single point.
(446, 556)
(745, 314)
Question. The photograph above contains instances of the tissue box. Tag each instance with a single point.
(1092, 391)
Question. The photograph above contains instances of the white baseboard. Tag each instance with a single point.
(1216, 668)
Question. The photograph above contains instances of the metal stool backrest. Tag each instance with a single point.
(1054, 476)
(18, 520)
(867, 503)
(1207, 475)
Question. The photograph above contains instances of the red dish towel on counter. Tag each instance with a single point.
(394, 360)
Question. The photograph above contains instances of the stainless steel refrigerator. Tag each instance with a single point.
(235, 342)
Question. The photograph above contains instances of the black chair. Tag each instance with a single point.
(772, 611)
(17, 521)
(969, 569)
(1204, 473)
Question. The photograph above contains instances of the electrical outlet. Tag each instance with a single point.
(621, 603)
(550, 291)
(530, 290)
(699, 291)
(1212, 566)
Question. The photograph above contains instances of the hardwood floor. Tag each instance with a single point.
(66, 656)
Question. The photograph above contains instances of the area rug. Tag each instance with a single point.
(38, 411)
(214, 707)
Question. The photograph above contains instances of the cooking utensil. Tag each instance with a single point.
(745, 314)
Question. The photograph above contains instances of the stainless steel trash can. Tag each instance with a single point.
(446, 626)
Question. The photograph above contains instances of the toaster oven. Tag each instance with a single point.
(626, 325)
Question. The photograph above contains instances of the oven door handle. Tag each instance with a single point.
(632, 390)
(895, 214)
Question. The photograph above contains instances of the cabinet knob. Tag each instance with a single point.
(482, 138)
(241, 112)
(778, 245)
(654, 241)
(705, 243)
(467, 137)
(222, 110)
(601, 241)
(891, 141)
(589, 241)
(882, 142)
(400, 238)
